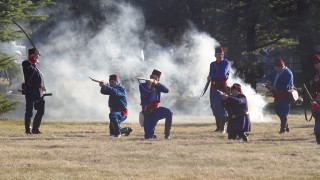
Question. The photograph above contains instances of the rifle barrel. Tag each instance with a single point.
(145, 79)
(94, 80)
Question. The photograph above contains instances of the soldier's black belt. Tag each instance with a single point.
(35, 85)
(233, 116)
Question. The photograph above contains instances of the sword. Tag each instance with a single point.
(45, 94)
(204, 89)
(25, 34)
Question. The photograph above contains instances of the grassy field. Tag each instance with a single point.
(74, 150)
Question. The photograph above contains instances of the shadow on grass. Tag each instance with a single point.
(193, 124)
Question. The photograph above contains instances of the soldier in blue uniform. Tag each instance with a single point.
(218, 75)
(33, 91)
(279, 82)
(150, 93)
(239, 121)
(117, 104)
(316, 114)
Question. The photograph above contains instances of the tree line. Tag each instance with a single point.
(244, 27)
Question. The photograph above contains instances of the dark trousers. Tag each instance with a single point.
(317, 137)
(284, 124)
(38, 105)
(151, 121)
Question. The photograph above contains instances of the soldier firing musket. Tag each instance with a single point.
(117, 104)
(239, 123)
(150, 94)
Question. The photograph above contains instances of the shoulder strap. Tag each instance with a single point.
(31, 75)
(215, 65)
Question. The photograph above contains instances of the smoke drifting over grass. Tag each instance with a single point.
(67, 63)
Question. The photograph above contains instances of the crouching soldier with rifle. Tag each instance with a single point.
(150, 93)
(34, 91)
(117, 104)
(237, 106)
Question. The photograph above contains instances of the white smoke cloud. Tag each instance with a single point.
(117, 49)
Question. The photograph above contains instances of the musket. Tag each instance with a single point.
(204, 89)
(220, 92)
(305, 102)
(25, 34)
(94, 80)
(144, 79)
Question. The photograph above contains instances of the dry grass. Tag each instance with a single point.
(73, 150)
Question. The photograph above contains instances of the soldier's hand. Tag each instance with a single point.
(316, 79)
(209, 78)
(155, 82)
(272, 88)
(149, 83)
(102, 84)
(224, 96)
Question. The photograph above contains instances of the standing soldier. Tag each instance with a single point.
(279, 82)
(150, 92)
(33, 91)
(315, 83)
(239, 121)
(117, 104)
(316, 114)
(218, 75)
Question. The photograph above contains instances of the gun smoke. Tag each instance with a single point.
(125, 47)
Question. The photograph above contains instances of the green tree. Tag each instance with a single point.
(14, 10)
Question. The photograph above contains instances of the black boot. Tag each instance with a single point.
(218, 124)
(36, 124)
(283, 125)
(167, 129)
(126, 131)
(116, 128)
(27, 121)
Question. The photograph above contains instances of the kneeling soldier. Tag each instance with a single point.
(117, 104)
(150, 92)
(239, 123)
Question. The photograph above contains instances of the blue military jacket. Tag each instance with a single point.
(223, 70)
(118, 96)
(285, 80)
(238, 104)
(147, 95)
(36, 80)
